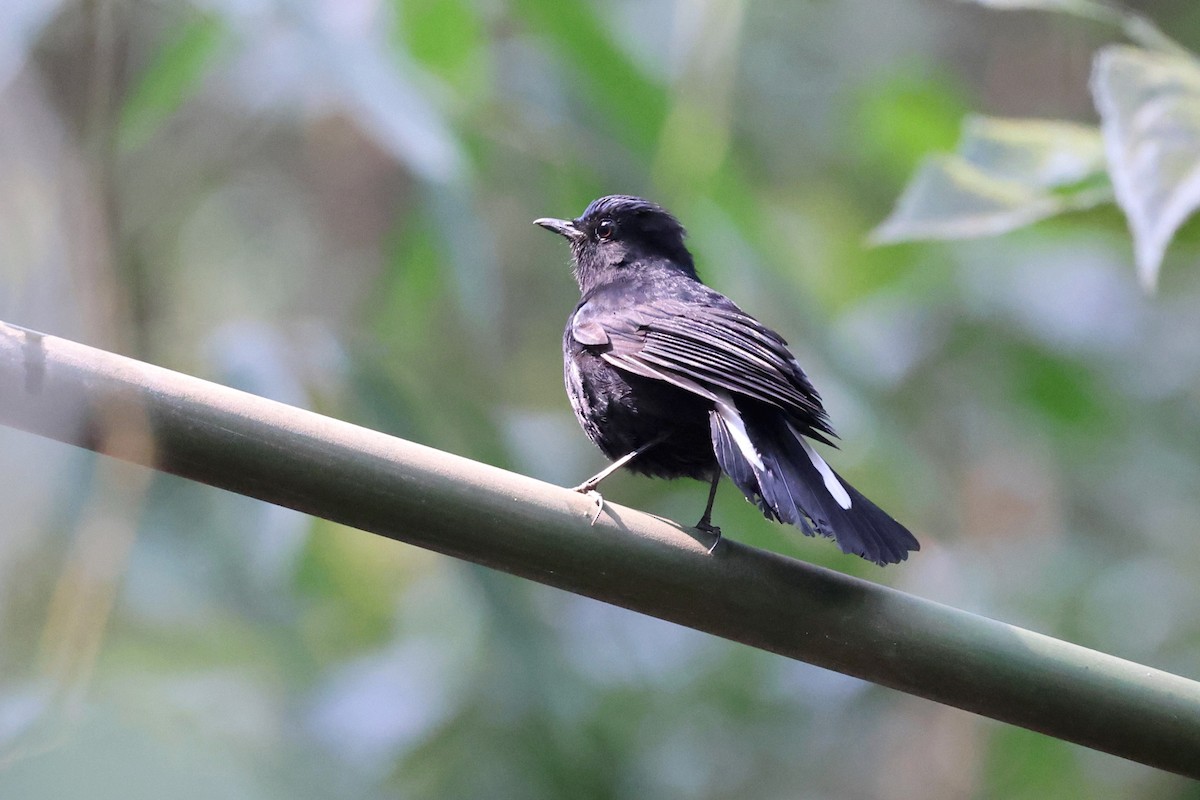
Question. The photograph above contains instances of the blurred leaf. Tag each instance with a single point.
(634, 104)
(1060, 389)
(1149, 105)
(164, 84)
(402, 308)
(354, 578)
(1039, 153)
(1004, 176)
(951, 199)
(447, 36)
(1021, 764)
(335, 56)
(903, 117)
(697, 130)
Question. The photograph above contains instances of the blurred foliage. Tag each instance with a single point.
(329, 203)
(1009, 173)
(167, 81)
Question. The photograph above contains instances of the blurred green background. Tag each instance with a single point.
(329, 203)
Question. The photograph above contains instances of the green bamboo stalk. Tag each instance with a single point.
(284, 455)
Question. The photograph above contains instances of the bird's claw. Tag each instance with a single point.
(708, 527)
(589, 490)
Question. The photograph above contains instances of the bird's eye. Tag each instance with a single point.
(605, 229)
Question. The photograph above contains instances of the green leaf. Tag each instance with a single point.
(1022, 765)
(903, 116)
(950, 198)
(634, 104)
(1149, 105)
(447, 37)
(164, 84)
(1006, 174)
(1038, 153)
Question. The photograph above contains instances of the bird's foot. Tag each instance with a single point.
(588, 489)
(707, 527)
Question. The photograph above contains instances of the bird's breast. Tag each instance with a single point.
(621, 411)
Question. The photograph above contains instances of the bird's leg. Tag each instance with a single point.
(588, 487)
(705, 523)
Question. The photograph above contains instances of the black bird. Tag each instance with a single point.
(671, 379)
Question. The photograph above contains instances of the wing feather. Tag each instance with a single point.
(706, 347)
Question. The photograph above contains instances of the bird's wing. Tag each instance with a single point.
(707, 348)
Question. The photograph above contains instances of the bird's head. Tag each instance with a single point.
(619, 233)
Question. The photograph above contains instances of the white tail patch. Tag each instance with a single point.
(832, 484)
(737, 428)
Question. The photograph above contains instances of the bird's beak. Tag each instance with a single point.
(563, 227)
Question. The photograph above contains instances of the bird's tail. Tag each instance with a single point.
(780, 472)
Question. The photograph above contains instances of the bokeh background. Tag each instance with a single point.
(329, 203)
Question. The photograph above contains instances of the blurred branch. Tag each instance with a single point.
(411, 493)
